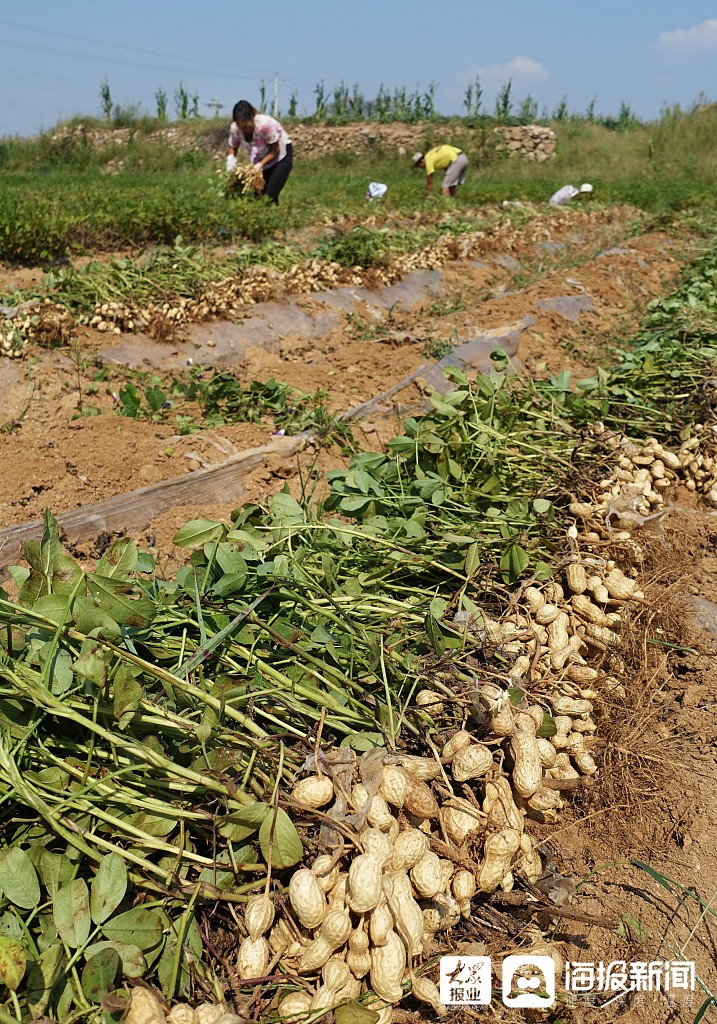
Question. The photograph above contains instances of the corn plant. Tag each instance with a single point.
(181, 102)
(161, 100)
(504, 103)
(106, 98)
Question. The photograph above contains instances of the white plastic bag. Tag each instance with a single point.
(568, 192)
(375, 190)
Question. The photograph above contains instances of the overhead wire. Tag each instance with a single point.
(120, 46)
(231, 71)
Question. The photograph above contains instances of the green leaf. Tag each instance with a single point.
(13, 961)
(127, 694)
(119, 560)
(658, 877)
(352, 1012)
(55, 869)
(35, 586)
(198, 532)
(285, 510)
(354, 504)
(52, 607)
(89, 617)
(234, 832)
(108, 887)
(125, 604)
(92, 665)
(433, 631)
(252, 816)
(18, 879)
(230, 561)
(63, 998)
(635, 929)
(10, 926)
(140, 927)
(285, 845)
(219, 879)
(61, 679)
(65, 574)
(100, 974)
(19, 574)
(71, 912)
(157, 825)
(41, 976)
(133, 961)
(472, 559)
(50, 546)
(709, 1001)
(547, 728)
(541, 506)
(363, 740)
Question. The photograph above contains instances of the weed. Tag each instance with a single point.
(221, 398)
(360, 328)
(444, 307)
(436, 348)
(359, 247)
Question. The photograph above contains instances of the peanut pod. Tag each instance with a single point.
(307, 898)
(498, 852)
(388, 965)
(253, 958)
(427, 876)
(363, 890)
(471, 762)
(314, 792)
(527, 771)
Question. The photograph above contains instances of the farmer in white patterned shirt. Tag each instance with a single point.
(266, 142)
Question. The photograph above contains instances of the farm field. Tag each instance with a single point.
(284, 603)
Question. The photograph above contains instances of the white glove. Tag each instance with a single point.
(231, 162)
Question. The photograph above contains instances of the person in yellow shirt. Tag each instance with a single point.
(440, 158)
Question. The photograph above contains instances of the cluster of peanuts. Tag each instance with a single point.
(116, 317)
(245, 179)
(46, 324)
(257, 284)
(13, 337)
(644, 473)
(635, 490)
(220, 298)
(361, 921)
(145, 1007)
(317, 275)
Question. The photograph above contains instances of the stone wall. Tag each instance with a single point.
(316, 140)
(531, 141)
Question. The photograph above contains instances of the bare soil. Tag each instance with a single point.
(61, 457)
(655, 800)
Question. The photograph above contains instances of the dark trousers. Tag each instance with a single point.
(275, 177)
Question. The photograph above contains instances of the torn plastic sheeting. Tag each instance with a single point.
(623, 507)
(568, 306)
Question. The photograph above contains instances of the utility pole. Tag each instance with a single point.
(216, 106)
(276, 95)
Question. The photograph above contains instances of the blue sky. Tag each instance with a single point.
(647, 53)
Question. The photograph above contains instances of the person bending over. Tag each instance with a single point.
(448, 158)
(266, 142)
